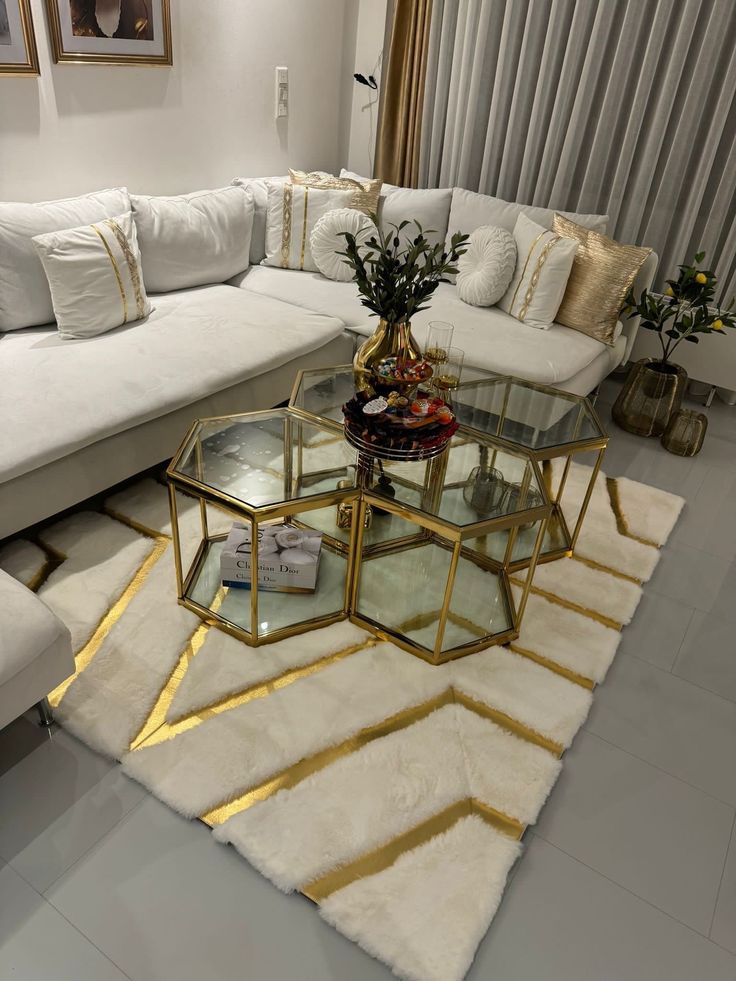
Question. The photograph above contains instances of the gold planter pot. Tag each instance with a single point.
(385, 342)
(652, 392)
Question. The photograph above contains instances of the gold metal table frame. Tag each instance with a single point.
(428, 576)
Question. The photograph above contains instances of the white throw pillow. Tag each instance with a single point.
(470, 210)
(193, 239)
(487, 267)
(258, 186)
(429, 206)
(94, 274)
(25, 300)
(543, 265)
(293, 212)
(327, 240)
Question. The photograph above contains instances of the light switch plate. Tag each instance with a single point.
(282, 92)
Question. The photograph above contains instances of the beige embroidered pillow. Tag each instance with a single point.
(365, 192)
(293, 211)
(602, 274)
(543, 263)
(94, 275)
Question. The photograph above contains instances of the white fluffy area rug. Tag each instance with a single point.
(391, 792)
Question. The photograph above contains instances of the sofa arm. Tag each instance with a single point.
(644, 279)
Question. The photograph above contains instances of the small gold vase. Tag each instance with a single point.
(385, 342)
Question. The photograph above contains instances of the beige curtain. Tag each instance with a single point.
(624, 107)
(402, 97)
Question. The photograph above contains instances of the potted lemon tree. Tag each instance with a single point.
(686, 311)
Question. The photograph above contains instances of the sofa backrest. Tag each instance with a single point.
(469, 210)
(257, 185)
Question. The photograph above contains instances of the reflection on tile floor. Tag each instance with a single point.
(631, 874)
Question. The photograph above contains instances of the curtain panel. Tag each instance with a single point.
(403, 86)
(624, 107)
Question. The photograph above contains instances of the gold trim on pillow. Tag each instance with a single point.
(603, 272)
(532, 247)
(304, 227)
(365, 197)
(541, 259)
(133, 268)
(116, 271)
(288, 196)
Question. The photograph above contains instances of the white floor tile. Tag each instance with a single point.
(707, 656)
(647, 831)
(688, 732)
(75, 831)
(42, 787)
(657, 631)
(165, 901)
(37, 943)
(723, 931)
(561, 921)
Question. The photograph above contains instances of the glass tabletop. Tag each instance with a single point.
(264, 458)
(533, 416)
(322, 392)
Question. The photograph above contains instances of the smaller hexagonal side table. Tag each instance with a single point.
(258, 468)
(555, 427)
(440, 588)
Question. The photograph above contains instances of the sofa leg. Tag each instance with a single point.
(46, 716)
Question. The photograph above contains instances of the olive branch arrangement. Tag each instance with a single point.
(396, 276)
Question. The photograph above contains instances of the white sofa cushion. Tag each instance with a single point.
(328, 241)
(470, 210)
(429, 206)
(543, 263)
(258, 186)
(28, 629)
(193, 239)
(487, 266)
(293, 211)
(496, 341)
(25, 300)
(195, 343)
(94, 273)
(312, 291)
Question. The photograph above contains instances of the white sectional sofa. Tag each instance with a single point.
(80, 415)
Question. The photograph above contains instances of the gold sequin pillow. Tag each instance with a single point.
(543, 263)
(365, 193)
(601, 276)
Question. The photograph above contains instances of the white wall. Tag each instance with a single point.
(367, 47)
(198, 124)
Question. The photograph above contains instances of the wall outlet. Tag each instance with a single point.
(282, 92)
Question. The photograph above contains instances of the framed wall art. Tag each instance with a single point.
(18, 55)
(111, 32)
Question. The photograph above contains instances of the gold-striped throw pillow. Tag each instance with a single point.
(292, 212)
(601, 276)
(365, 193)
(94, 276)
(543, 264)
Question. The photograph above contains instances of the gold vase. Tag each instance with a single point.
(652, 392)
(385, 342)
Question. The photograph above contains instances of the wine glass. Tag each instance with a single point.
(447, 374)
(439, 338)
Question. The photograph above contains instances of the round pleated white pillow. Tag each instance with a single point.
(326, 240)
(487, 268)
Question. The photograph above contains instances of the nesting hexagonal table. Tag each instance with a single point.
(424, 557)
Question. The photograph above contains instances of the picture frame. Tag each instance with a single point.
(111, 32)
(18, 53)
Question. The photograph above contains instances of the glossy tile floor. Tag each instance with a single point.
(629, 876)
